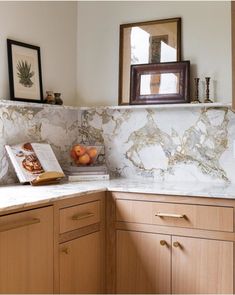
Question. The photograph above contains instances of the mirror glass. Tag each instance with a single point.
(159, 84)
(146, 43)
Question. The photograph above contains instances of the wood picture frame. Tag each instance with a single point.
(146, 42)
(160, 83)
(25, 75)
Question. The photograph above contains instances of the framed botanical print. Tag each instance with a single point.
(25, 77)
(146, 43)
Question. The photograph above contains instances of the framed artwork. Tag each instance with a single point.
(25, 77)
(146, 42)
(160, 83)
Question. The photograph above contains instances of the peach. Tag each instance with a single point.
(92, 152)
(79, 150)
(73, 154)
(84, 159)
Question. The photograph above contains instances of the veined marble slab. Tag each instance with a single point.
(165, 145)
(16, 197)
(162, 143)
(20, 123)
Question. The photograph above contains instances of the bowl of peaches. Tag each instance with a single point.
(84, 155)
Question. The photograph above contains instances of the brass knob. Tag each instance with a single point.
(163, 243)
(176, 244)
(65, 250)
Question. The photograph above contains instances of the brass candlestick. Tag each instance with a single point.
(207, 100)
(196, 98)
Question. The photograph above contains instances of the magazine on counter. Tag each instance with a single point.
(35, 163)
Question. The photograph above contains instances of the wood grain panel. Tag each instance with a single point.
(81, 266)
(143, 264)
(88, 213)
(202, 266)
(195, 216)
(26, 252)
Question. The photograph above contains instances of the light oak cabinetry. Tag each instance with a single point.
(26, 251)
(80, 244)
(169, 244)
(143, 263)
(202, 266)
(80, 265)
(119, 243)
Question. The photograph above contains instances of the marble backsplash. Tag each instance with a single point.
(36, 123)
(171, 144)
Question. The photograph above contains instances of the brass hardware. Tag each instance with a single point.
(65, 250)
(159, 214)
(176, 244)
(80, 216)
(163, 243)
(18, 224)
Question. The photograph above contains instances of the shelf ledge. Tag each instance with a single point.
(132, 107)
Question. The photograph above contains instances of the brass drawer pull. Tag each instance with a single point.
(18, 224)
(159, 214)
(65, 250)
(176, 244)
(80, 216)
(163, 243)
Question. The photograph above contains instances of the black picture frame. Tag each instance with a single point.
(25, 74)
(180, 72)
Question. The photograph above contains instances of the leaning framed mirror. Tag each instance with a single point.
(146, 43)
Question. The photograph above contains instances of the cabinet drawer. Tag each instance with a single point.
(171, 214)
(79, 216)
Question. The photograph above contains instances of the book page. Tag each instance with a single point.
(46, 157)
(25, 161)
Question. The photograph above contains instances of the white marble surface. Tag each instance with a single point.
(21, 196)
(162, 142)
(194, 145)
(117, 107)
(166, 106)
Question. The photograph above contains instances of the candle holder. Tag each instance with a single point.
(196, 95)
(207, 100)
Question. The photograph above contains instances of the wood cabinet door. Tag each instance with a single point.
(26, 252)
(80, 265)
(201, 266)
(143, 262)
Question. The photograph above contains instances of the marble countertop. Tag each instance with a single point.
(18, 196)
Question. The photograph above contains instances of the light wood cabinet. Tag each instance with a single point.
(180, 215)
(168, 244)
(122, 243)
(79, 216)
(143, 263)
(146, 262)
(201, 266)
(26, 252)
(80, 245)
(80, 265)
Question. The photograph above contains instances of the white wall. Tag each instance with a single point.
(206, 42)
(50, 25)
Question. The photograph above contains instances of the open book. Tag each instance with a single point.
(35, 163)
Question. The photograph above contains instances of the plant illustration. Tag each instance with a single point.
(24, 73)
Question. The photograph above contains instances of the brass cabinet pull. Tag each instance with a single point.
(163, 243)
(65, 250)
(80, 216)
(18, 224)
(159, 214)
(176, 244)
